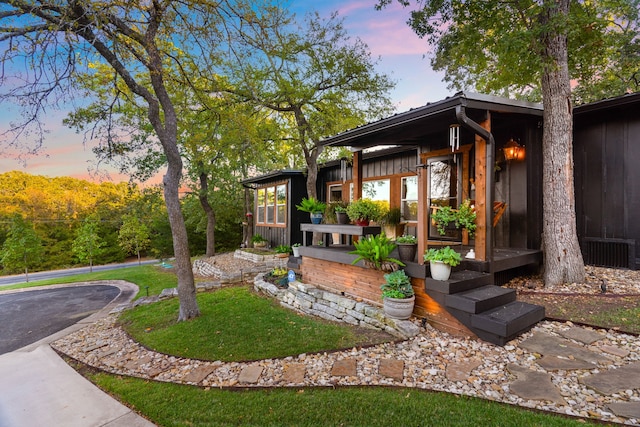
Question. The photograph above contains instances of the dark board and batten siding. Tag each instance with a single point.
(607, 179)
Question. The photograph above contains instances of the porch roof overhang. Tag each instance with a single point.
(270, 177)
(409, 127)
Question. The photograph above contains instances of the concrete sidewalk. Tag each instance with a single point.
(37, 388)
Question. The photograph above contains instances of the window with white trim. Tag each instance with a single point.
(271, 205)
(409, 198)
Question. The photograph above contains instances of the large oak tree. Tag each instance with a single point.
(537, 49)
(139, 41)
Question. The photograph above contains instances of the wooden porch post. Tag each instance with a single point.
(482, 179)
(423, 210)
(357, 175)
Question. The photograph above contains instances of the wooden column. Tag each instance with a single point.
(481, 180)
(357, 175)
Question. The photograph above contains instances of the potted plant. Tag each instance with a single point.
(282, 251)
(442, 216)
(392, 222)
(362, 211)
(341, 214)
(375, 252)
(440, 262)
(296, 249)
(259, 241)
(314, 207)
(397, 295)
(464, 217)
(407, 247)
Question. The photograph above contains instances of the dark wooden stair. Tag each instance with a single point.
(489, 311)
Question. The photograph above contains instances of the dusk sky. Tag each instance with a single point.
(386, 33)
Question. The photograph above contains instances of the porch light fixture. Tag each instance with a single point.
(513, 151)
(454, 137)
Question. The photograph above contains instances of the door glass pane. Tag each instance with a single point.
(443, 191)
(409, 200)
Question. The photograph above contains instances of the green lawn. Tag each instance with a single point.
(236, 324)
(179, 405)
(156, 278)
(246, 326)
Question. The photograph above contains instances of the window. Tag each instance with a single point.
(377, 190)
(335, 193)
(409, 198)
(271, 205)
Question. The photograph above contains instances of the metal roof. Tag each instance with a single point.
(273, 175)
(619, 101)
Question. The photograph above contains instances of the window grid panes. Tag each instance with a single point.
(271, 205)
(409, 198)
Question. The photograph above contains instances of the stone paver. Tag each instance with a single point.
(250, 374)
(583, 335)
(555, 363)
(615, 380)
(294, 373)
(626, 409)
(616, 351)
(344, 368)
(392, 368)
(200, 373)
(550, 345)
(534, 385)
(460, 371)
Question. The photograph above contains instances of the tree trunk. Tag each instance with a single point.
(563, 261)
(248, 208)
(211, 215)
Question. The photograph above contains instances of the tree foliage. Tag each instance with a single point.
(133, 235)
(496, 46)
(88, 244)
(22, 247)
(310, 75)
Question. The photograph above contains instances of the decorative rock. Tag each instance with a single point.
(199, 374)
(543, 343)
(626, 409)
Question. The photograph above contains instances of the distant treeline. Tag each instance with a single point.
(59, 210)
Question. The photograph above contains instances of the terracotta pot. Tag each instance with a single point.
(362, 222)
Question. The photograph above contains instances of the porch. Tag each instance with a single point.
(470, 303)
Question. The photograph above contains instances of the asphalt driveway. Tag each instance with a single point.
(28, 316)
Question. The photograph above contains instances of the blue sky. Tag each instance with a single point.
(403, 56)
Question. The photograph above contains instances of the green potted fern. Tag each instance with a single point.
(314, 207)
(375, 252)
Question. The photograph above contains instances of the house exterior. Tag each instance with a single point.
(607, 178)
(455, 149)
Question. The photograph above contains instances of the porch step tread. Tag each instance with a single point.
(459, 281)
(509, 319)
(481, 299)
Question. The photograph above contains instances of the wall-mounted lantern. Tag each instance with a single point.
(513, 151)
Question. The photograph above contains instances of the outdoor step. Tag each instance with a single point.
(481, 299)
(508, 320)
(459, 281)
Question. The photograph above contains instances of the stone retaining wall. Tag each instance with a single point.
(314, 301)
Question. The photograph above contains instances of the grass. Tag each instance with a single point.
(236, 325)
(233, 317)
(156, 278)
(179, 405)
